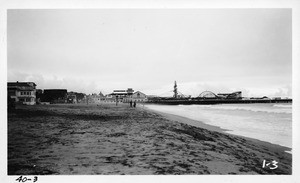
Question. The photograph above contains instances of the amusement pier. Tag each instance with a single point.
(208, 97)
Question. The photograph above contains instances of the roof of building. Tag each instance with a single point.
(119, 93)
(124, 92)
(55, 90)
(139, 92)
(21, 84)
(101, 94)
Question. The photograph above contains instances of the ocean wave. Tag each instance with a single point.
(264, 108)
(283, 105)
(265, 122)
(269, 109)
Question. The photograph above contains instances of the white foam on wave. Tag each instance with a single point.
(268, 108)
(283, 105)
(264, 122)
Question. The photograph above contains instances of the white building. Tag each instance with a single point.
(94, 98)
(22, 92)
(120, 95)
(139, 97)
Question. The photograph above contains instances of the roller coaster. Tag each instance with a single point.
(211, 95)
(208, 95)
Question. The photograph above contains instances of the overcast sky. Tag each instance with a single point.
(221, 50)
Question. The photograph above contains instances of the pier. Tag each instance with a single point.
(208, 97)
(191, 101)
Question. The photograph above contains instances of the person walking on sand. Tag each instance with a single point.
(134, 103)
(130, 103)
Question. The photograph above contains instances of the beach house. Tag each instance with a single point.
(22, 92)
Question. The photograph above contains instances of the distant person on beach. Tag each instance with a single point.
(130, 103)
(134, 103)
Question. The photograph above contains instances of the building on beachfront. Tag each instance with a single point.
(22, 92)
(119, 95)
(109, 98)
(71, 98)
(39, 95)
(79, 97)
(96, 98)
(55, 96)
(58, 96)
(136, 96)
(75, 97)
(139, 96)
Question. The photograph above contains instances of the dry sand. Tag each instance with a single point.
(109, 139)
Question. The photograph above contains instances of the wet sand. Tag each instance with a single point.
(109, 139)
(272, 147)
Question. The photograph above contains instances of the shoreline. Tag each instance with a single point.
(188, 121)
(200, 124)
(113, 140)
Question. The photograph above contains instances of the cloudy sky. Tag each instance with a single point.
(221, 50)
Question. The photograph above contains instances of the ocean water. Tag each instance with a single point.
(267, 122)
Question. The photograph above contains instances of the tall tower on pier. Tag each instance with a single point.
(175, 90)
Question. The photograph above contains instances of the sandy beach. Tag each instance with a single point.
(108, 139)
